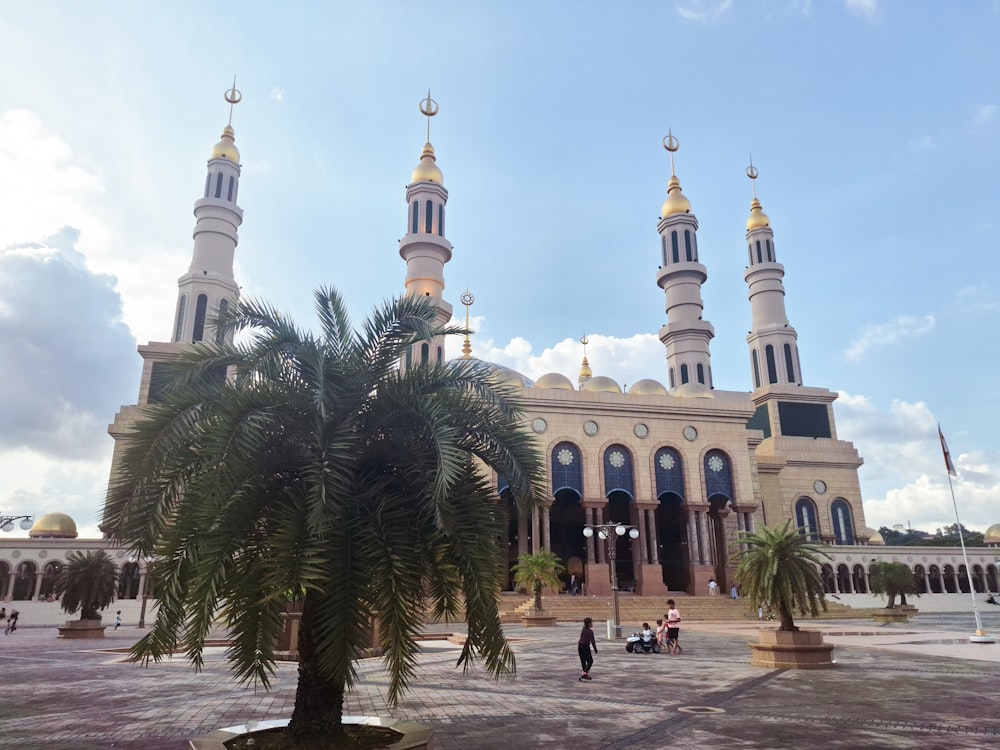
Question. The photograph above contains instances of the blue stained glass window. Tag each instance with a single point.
(718, 474)
(669, 472)
(567, 469)
(618, 474)
(805, 518)
(843, 522)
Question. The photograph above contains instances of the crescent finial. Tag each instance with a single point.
(234, 96)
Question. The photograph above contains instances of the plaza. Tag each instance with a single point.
(919, 685)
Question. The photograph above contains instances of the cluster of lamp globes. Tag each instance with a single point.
(604, 531)
(9, 524)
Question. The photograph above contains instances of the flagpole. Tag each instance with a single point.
(981, 636)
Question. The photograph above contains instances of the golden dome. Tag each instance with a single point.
(427, 170)
(585, 371)
(647, 387)
(506, 376)
(601, 384)
(53, 526)
(676, 202)
(874, 537)
(226, 148)
(554, 380)
(757, 218)
(992, 535)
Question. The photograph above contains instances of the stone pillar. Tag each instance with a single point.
(37, 587)
(536, 531)
(643, 546)
(10, 587)
(546, 528)
(522, 535)
(654, 537)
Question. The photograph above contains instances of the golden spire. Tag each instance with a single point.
(467, 300)
(427, 170)
(585, 371)
(226, 148)
(757, 218)
(676, 202)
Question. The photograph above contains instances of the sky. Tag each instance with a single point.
(874, 124)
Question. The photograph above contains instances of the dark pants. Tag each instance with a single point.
(586, 658)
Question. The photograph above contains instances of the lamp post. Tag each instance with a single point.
(609, 533)
(7, 522)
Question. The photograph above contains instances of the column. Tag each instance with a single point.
(654, 537)
(703, 522)
(588, 517)
(10, 587)
(643, 536)
(522, 535)
(37, 587)
(535, 530)
(546, 528)
(694, 549)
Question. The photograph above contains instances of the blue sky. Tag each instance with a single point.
(875, 125)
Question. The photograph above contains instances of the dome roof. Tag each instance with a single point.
(507, 376)
(601, 384)
(874, 537)
(647, 387)
(676, 202)
(585, 371)
(691, 390)
(757, 218)
(554, 380)
(427, 170)
(992, 535)
(226, 148)
(53, 526)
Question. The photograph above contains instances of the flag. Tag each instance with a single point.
(947, 454)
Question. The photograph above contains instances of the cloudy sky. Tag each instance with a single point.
(875, 125)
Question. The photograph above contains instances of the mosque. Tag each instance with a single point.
(676, 467)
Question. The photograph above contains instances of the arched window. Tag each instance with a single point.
(684, 374)
(415, 225)
(805, 518)
(772, 369)
(200, 310)
(220, 331)
(181, 309)
(756, 369)
(440, 355)
(441, 220)
(672, 384)
(232, 185)
(218, 185)
(749, 253)
(208, 183)
(770, 252)
(618, 474)
(701, 372)
(788, 364)
(663, 247)
(674, 249)
(759, 258)
(567, 472)
(718, 475)
(429, 219)
(669, 472)
(843, 522)
(687, 245)
(425, 353)
(409, 358)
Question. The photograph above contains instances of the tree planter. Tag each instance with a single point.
(415, 736)
(886, 616)
(538, 620)
(82, 629)
(795, 649)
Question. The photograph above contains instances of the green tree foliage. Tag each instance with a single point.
(892, 579)
(779, 567)
(535, 571)
(321, 471)
(87, 583)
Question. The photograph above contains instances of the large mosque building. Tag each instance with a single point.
(686, 466)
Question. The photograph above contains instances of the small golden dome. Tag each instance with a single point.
(506, 376)
(585, 371)
(601, 384)
(757, 218)
(53, 526)
(226, 148)
(554, 380)
(992, 535)
(874, 537)
(647, 387)
(427, 170)
(676, 202)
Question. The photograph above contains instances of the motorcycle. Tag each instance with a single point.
(637, 643)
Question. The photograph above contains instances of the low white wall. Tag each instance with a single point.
(50, 614)
(924, 602)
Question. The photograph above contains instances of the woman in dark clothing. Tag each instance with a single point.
(586, 641)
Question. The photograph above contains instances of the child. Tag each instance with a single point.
(118, 619)
(584, 645)
(661, 633)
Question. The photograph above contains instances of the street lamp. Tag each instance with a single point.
(7, 522)
(604, 531)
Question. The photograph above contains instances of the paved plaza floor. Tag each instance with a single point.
(919, 685)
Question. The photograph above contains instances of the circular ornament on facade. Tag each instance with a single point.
(640, 430)
(616, 459)
(565, 456)
(16, 553)
(667, 461)
(820, 486)
(590, 427)
(716, 464)
(43, 554)
(539, 425)
(690, 433)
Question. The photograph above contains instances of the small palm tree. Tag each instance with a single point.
(535, 571)
(780, 568)
(87, 583)
(892, 579)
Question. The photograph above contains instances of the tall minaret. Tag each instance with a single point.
(774, 352)
(686, 336)
(208, 287)
(424, 247)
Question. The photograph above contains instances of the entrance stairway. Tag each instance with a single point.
(634, 610)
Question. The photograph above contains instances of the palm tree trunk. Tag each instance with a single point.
(538, 596)
(787, 622)
(319, 703)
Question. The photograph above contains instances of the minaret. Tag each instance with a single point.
(424, 247)
(467, 301)
(585, 372)
(686, 336)
(774, 352)
(208, 287)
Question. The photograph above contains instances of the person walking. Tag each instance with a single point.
(673, 618)
(584, 645)
(118, 619)
(572, 585)
(734, 593)
(713, 587)
(12, 622)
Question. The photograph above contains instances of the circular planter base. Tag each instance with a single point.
(82, 629)
(415, 736)
(799, 649)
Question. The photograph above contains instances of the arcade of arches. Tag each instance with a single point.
(934, 578)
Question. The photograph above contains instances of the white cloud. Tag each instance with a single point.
(984, 116)
(704, 11)
(867, 8)
(277, 95)
(900, 328)
(976, 299)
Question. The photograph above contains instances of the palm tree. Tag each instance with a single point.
(535, 571)
(779, 567)
(87, 583)
(320, 470)
(892, 579)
